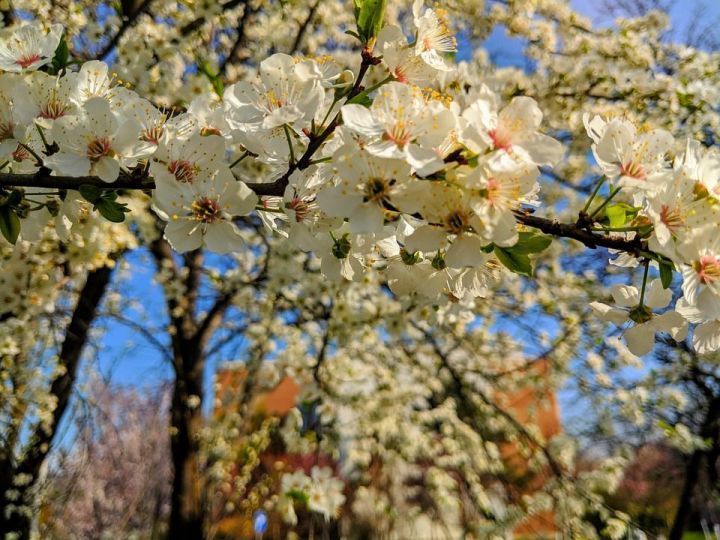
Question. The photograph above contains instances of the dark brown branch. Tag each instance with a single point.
(76, 337)
(239, 39)
(45, 181)
(303, 28)
(571, 230)
(277, 188)
(128, 22)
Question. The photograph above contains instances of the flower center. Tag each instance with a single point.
(184, 171)
(439, 36)
(153, 134)
(300, 207)
(20, 154)
(6, 131)
(400, 75)
(633, 170)
(398, 134)
(456, 222)
(376, 190)
(98, 148)
(708, 269)
(27, 60)
(206, 210)
(500, 140)
(273, 101)
(210, 131)
(671, 218)
(52, 109)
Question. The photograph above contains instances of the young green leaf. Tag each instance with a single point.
(369, 16)
(531, 242)
(9, 224)
(514, 261)
(61, 59)
(111, 210)
(666, 273)
(90, 193)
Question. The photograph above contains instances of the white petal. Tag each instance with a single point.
(426, 238)
(239, 200)
(107, 169)
(223, 237)
(183, 235)
(367, 218)
(360, 119)
(543, 150)
(466, 250)
(68, 164)
(707, 337)
(640, 339)
(609, 313)
(625, 295)
(656, 296)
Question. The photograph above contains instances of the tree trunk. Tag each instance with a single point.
(685, 507)
(709, 430)
(186, 516)
(39, 440)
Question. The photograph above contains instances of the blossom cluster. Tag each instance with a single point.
(424, 186)
(415, 183)
(321, 492)
(674, 206)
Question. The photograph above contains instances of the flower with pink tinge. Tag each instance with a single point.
(28, 47)
(512, 130)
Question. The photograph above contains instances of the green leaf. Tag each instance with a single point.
(514, 261)
(9, 224)
(362, 99)
(111, 210)
(616, 215)
(61, 59)
(531, 242)
(90, 193)
(666, 273)
(369, 16)
(214, 78)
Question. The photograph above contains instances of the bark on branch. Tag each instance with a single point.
(277, 188)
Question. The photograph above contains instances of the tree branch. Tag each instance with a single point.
(573, 231)
(303, 28)
(128, 23)
(76, 336)
(239, 40)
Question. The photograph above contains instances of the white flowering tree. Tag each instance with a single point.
(431, 184)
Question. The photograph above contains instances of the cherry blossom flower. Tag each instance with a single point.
(43, 98)
(636, 159)
(513, 130)
(28, 47)
(401, 124)
(365, 189)
(640, 337)
(201, 212)
(94, 143)
(286, 94)
(434, 36)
